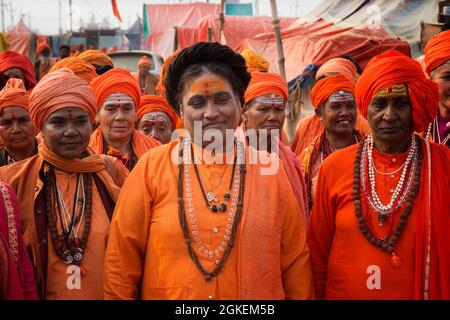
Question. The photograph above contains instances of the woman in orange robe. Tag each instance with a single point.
(380, 219)
(215, 228)
(333, 99)
(263, 119)
(118, 97)
(66, 192)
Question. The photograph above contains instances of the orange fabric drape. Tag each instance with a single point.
(150, 103)
(11, 59)
(81, 68)
(437, 51)
(325, 87)
(263, 83)
(14, 94)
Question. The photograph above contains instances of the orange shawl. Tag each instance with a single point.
(140, 142)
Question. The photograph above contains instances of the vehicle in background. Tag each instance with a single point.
(129, 60)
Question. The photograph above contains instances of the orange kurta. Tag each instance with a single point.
(61, 279)
(345, 265)
(146, 251)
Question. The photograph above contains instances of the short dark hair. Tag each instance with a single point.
(201, 57)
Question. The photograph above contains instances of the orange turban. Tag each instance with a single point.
(11, 59)
(160, 86)
(14, 95)
(151, 103)
(116, 80)
(81, 68)
(339, 65)
(391, 68)
(145, 62)
(57, 90)
(254, 61)
(96, 58)
(41, 47)
(325, 87)
(437, 50)
(263, 83)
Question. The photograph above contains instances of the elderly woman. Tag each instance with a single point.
(118, 98)
(263, 119)
(380, 219)
(334, 102)
(437, 65)
(17, 132)
(186, 229)
(66, 192)
(15, 65)
(156, 119)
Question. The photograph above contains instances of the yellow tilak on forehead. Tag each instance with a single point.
(395, 90)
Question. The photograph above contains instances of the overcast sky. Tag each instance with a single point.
(43, 15)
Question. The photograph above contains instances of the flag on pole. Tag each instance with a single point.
(116, 10)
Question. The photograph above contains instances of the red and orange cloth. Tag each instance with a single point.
(57, 90)
(325, 87)
(81, 68)
(11, 59)
(113, 81)
(40, 48)
(437, 51)
(254, 61)
(338, 65)
(151, 103)
(14, 95)
(392, 68)
(264, 83)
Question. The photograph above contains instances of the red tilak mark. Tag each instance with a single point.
(13, 116)
(70, 114)
(207, 86)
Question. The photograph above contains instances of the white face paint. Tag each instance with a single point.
(270, 99)
(341, 96)
(118, 98)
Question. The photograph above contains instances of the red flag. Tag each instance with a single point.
(116, 10)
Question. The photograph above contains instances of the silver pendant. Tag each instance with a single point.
(69, 259)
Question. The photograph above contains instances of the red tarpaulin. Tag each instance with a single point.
(19, 38)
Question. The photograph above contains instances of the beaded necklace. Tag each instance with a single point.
(67, 245)
(188, 221)
(388, 242)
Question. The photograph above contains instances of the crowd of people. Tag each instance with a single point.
(184, 185)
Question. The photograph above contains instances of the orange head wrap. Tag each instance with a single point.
(96, 58)
(437, 50)
(338, 65)
(14, 95)
(11, 59)
(41, 47)
(160, 86)
(254, 61)
(150, 103)
(325, 87)
(116, 80)
(263, 83)
(81, 68)
(57, 90)
(391, 68)
(145, 62)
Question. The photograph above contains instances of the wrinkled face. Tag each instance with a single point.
(209, 99)
(338, 114)
(390, 115)
(117, 117)
(16, 129)
(265, 112)
(67, 131)
(14, 73)
(64, 53)
(156, 125)
(441, 76)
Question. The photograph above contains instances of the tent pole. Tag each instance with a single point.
(222, 19)
(70, 14)
(3, 15)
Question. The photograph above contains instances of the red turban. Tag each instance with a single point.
(81, 68)
(391, 68)
(325, 87)
(151, 103)
(116, 80)
(145, 62)
(41, 47)
(96, 58)
(263, 83)
(14, 95)
(437, 51)
(11, 59)
(338, 65)
(57, 90)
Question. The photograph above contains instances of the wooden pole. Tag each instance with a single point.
(221, 19)
(210, 34)
(70, 14)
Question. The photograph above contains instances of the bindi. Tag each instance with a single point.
(70, 114)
